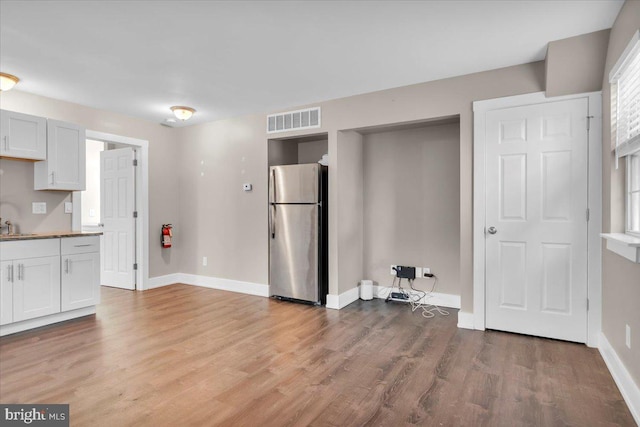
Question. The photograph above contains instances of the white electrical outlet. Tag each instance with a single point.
(391, 270)
(39, 208)
(627, 338)
(204, 261)
(418, 272)
(425, 271)
(68, 207)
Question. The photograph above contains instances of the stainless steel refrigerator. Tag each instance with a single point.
(298, 232)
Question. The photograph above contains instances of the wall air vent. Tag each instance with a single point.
(294, 120)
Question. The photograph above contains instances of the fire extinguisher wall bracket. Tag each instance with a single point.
(166, 235)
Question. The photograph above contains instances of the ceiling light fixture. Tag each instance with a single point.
(183, 113)
(7, 82)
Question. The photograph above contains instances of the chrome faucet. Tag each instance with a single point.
(10, 227)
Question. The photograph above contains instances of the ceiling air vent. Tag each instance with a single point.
(294, 120)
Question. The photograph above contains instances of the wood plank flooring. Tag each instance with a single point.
(183, 355)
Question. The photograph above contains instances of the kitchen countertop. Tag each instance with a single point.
(50, 235)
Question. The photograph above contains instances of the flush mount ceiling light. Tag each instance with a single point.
(7, 81)
(183, 113)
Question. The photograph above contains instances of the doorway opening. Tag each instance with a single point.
(119, 164)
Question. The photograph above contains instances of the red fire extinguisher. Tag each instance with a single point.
(167, 234)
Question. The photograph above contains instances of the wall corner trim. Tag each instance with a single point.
(337, 302)
(628, 388)
(465, 320)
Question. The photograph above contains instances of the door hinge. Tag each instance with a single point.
(589, 122)
(135, 162)
(135, 266)
(588, 214)
(135, 214)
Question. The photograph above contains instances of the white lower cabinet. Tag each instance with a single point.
(30, 279)
(39, 286)
(36, 287)
(80, 273)
(6, 292)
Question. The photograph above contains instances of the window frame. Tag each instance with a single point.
(630, 172)
(627, 145)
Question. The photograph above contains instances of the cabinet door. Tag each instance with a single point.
(6, 293)
(65, 166)
(23, 136)
(80, 280)
(36, 290)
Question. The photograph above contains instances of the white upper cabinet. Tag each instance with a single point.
(64, 168)
(23, 136)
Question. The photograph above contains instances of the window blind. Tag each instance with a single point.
(625, 99)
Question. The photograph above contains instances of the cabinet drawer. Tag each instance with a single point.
(79, 245)
(21, 249)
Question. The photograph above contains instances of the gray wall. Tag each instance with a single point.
(212, 215)
(17, 179)
(230, 227)
(17, 194)
(294, 151)
(347, 220)
(219, 220)
(576, 64)
(311, 152)
(620, 277)
(282, 152)
(412, 204)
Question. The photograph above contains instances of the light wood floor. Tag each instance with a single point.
(182, 355)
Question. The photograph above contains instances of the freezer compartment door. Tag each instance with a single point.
(293, 251)
(294, 183)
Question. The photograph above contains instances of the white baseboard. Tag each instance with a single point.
(628, 388)
(437, 298)
(338, 302)
(225, 284)
(210, 282)
(24, 325)
(159, 281)
(465, 320)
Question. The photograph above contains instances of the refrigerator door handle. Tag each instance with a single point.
(273, 185)
(273, 221)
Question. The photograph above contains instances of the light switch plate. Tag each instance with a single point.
(68, 207)
(39, 208)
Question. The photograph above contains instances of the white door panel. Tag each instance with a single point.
(536, 199)
(117, 207)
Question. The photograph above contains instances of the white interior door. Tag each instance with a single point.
(536, 219)
(117, 206)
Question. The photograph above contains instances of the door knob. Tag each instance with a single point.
(492, 230)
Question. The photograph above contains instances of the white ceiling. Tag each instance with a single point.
(233, 58)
